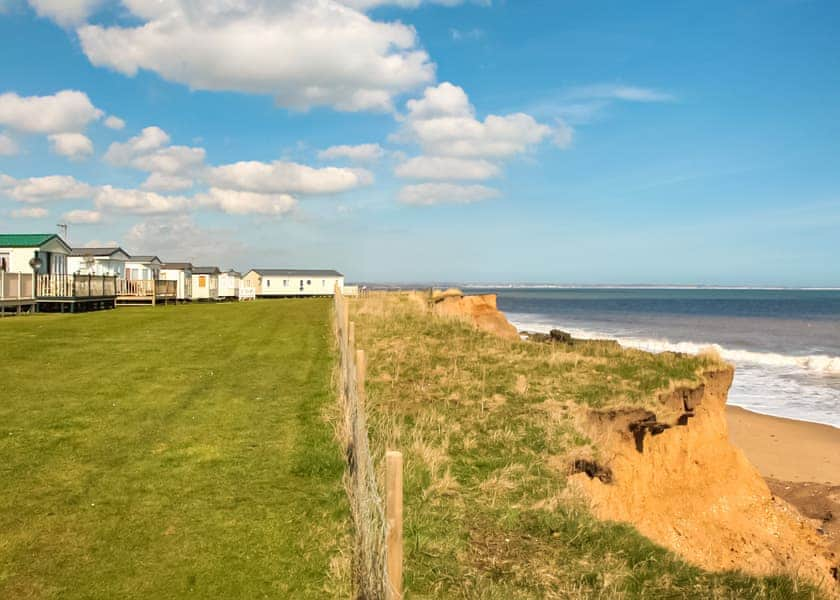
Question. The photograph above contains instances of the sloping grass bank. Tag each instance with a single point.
(171, 452)
(488, 431)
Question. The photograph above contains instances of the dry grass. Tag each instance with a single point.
(488, 430)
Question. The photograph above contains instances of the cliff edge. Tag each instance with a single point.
(680, 481)
(480, 309)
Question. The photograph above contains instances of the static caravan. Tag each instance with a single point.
(143, 268)
(294, 282)
(205, 283)
(181, 272)
(98, 261)
(17, 249)
(229, 283)
(37, 271)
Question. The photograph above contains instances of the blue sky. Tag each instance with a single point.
(413, 140)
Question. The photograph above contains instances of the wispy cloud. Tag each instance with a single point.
(627, 93)
(466, 35)
(583, 104)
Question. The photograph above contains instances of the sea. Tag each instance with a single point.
(784, 343)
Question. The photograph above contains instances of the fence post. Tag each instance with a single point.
(394, 519)
(361, 373)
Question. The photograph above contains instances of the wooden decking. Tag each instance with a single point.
(75, 293)
(146, 291)
(16, 293)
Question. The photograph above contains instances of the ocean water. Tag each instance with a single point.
(785, 344)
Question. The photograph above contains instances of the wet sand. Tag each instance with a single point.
(799, 460)
(786, 449)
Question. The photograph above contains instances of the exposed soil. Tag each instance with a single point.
(683, 484)
(816, 501)
(481, 310)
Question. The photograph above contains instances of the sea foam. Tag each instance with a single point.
(814, 363)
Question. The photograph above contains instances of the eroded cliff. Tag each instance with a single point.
(678, 479)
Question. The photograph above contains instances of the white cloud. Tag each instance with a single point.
(82, 216)
(113, 122)
(65, 12)
(138, 202)
(246, 203)
(150, 139)
(304, 53)
(443, 124)
(74, 146)
(66, 111)
(8, 146)
(171, 167)
(368, 4)
(171, 160)
(30, 212)
(427, 194)
(363, 153)
(42, 189)
(564, 134)
(161, 182)
(286, 177)
(101, 244)
(179, 238)
(620, 92)
(444, 100)
(446, 167)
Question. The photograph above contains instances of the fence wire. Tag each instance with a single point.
(369, 571)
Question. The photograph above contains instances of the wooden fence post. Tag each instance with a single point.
(394, 520)
(361, 373)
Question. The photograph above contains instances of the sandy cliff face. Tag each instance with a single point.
(481, 310)
(679, 480)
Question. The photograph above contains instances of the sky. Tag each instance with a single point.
(473, 141)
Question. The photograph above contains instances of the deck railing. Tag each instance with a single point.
(76, 286)
(17, 286)
(146, 288)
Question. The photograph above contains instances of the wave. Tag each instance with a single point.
(820, 364)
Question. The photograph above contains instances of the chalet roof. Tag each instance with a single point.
(144, 258)
(177, 266)
(206, 271)
(28, 240)
(298, 272)
(98, 252)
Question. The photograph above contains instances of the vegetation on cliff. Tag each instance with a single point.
(490, 430)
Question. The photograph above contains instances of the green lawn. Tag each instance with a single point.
(171, 452)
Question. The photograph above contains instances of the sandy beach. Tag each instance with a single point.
(787, 449)
(799, 460)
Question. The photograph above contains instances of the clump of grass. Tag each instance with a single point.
(488, 429)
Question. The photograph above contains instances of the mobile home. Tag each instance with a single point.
(18, 249)
(180, 272)
(229, 283)
(143, 268)
(293, 282)
(98, 261)
(205, 283)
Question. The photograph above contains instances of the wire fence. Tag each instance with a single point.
(369, 564)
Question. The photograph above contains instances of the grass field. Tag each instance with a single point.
(487, 430)
(171, 452)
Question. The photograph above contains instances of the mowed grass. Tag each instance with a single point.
(171, 452)
(488, 430)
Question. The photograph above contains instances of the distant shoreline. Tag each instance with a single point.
(617, 286)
